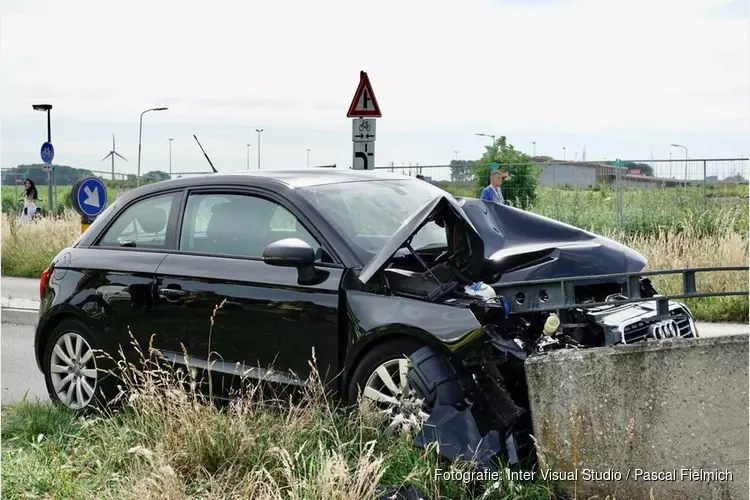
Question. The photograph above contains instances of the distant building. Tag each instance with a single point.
(590, 174)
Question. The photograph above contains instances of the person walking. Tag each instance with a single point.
(29, 201)
(494, 192)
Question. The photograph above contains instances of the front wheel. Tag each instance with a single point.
(383, 381)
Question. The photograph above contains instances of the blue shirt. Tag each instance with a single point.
(491, 194)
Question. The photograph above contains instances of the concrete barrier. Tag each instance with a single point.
(662, 420)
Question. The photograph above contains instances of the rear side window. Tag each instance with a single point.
(141, 225)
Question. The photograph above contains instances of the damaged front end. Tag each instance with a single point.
(547, 290)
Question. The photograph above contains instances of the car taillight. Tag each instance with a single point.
(43, 280)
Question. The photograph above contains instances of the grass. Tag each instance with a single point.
(644, 212)
(27, 249)
(168, 442)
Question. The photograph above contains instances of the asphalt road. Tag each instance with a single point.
(18, 370)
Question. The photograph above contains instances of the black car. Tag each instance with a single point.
(383, 275)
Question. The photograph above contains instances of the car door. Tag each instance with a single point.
(225, 304)
(117, 283)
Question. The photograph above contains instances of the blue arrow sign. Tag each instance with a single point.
(48, 153)
(91, 196)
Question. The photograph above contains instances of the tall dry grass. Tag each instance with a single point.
(166, 441)
(688, 249)
(28, 248)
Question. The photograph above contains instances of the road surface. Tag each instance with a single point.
(18, 370)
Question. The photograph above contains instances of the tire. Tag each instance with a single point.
(79, 385)
(387, 351)
(407, 401)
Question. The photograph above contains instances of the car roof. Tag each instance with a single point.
(298, 178)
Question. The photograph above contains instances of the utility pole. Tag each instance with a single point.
(47, 108)
(140, 135)
(259, 130)
(456, 153)
(170, 157)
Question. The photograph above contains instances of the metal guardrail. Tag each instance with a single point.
(551, 295)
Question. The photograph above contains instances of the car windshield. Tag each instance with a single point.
(367, 214)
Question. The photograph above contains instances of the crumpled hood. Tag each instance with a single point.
(443, 208)
(509, 244)
(525, 246)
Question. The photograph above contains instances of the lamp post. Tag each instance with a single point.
(248, 156)
(456, 153)
(140, 133)
(170, 157)
(563, 153)
(686, 159)
(259, 130)
(47, 108)
(487, 135)
(533, 143)
(308, 157)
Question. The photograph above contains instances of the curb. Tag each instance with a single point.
(24, 317)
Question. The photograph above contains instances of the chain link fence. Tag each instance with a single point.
(633, 196)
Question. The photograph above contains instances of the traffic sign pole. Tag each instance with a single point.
(363, 109)
(89, 197)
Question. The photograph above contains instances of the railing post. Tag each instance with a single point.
(705, 200)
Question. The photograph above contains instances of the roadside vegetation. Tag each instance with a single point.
(167, 442)
(673, 228)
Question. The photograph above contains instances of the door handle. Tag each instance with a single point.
(172, 293)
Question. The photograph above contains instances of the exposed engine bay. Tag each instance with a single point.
(509, 268)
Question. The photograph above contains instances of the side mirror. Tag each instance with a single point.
(290, 252)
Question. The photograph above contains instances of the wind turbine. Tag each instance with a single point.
(112, 154)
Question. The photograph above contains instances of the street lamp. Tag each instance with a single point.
(248, 156)
(140, 133)
(487, 135)
(170, 157)
(534, 145)
(563, 153)
(308, 157)
(47, 108)
(456, 153)
(686, 159)
(259, 130)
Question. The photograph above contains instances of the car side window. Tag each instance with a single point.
(238, 224)
(141, 225)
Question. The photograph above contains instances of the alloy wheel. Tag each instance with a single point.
(389, 390)
(73, 371)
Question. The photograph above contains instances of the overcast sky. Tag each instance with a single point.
(625, 78)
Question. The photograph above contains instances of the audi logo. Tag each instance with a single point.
(664, 329)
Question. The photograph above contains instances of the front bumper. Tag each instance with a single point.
(637, 322)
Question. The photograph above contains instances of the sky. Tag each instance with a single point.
(622, 78)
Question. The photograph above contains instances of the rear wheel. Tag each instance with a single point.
(72, 373)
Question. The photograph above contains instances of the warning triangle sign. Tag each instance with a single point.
(364, 103)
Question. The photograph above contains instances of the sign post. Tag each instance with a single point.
(89, 197)
(363, 109)
(48, 154)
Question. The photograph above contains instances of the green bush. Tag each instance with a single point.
(521, 188)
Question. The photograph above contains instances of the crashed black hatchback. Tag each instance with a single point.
(423, 303)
